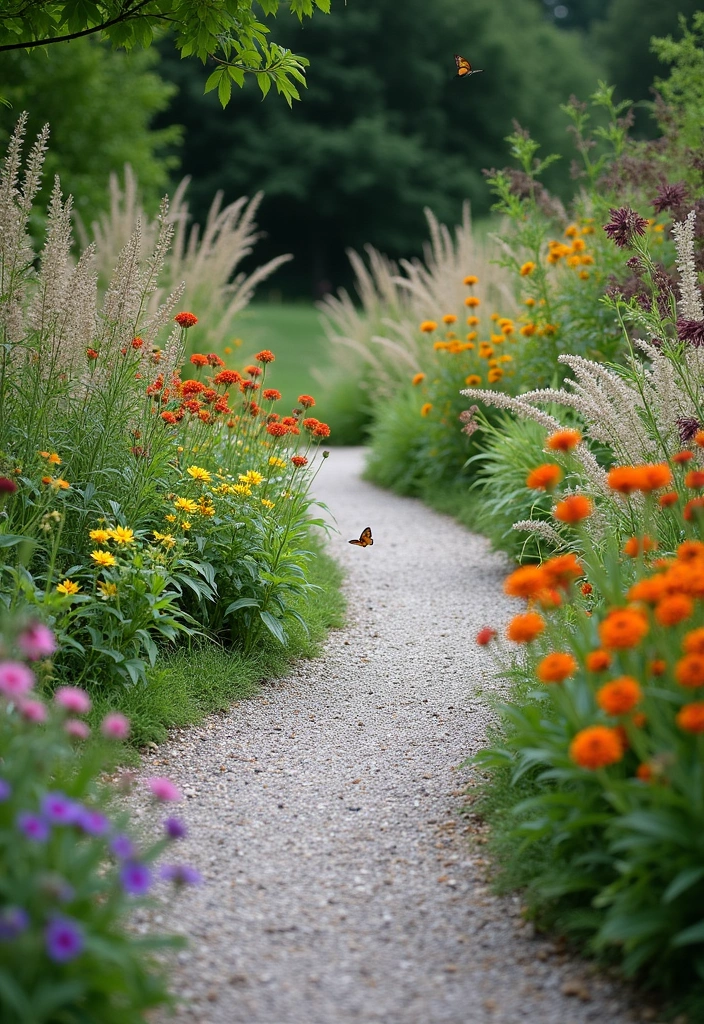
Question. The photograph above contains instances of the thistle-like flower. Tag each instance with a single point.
(624, 226)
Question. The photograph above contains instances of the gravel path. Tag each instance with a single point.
(342, 884)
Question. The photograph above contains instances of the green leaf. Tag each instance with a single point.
(274, 626)
(243, 602)
(681, 882)
(690, 935)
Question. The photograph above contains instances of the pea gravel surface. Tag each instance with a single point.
(342, 882)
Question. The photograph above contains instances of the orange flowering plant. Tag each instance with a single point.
(603, 748)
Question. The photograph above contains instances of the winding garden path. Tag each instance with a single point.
(342, 883)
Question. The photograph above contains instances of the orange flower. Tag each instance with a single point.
(688, 550)
(528, 330)
(549, 598)
(495, 375)
(277, 429)
(227, 377)
(586, 589)
(186, 320)
(699, 438)
(527, 581)
(674, 609)
(668, 499)
(428, 326)
(681, 458)
(650, 590)
(562, 569)
(470, 279)
(693, 509)
(556, 667)
(623, 479)
(485, 636)
(598, 661)
(639, 720)
(271, 395)
(417, 379)
(693, 642)
(449, 318)
(694, 479)
(644, 772)
(198, 359)
(689, 671)
(473, 380)
(265, 356)
(619, 696)
(472, 321)
(573, 509)
(472, 301)
(563, 440)
(638, 545)
(596, 747)
(321, 430)
(426, 408)
(522, 629)
(653, 477)
(527, 268)
(690, 717)
(544, 477)
(657, 667)
(623, 628)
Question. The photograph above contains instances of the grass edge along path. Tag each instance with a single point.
(192, 682)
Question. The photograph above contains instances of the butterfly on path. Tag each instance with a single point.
(464, 68)
(365, 538)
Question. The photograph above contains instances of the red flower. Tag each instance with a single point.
(299, 460)
(682, 457)
(311, 423)
(694, 479)
(204, 415)
(265, 356)
(193, 405)
(322, 430)
(485, 636)
(273, 417)
(214, 360)
(191, 387)
(137, 342)
(91, 353)
(271, 394)
(156, 386)
(693, 509)
(7, 486)
(227, 377)
(307, 401)
(222, 406)
(253, 371)
(254, 409)
(248, 385)
(186, 320)
(210, 395)
(277, 429)
(169, 417)
(198, 359)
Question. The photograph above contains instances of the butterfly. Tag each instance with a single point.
(365, 538)
(464, 68)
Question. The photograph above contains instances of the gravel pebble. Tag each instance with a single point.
(342, 883)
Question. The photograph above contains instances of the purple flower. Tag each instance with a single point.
(688, 427)
(180, 874)
(164, 789)
(691, 331)
(669, 196)
(175, 828)
(13, 921)
(625, 223)
(64, 939)
(5, 789)
(73, 699)
(136, 878)
(34, 827)
(93, 823)
(59, 810)
(122, 846)
(36, 641)
(15, 679)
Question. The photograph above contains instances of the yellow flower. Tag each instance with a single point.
(529, 301)
(578, 245)
(418, 378)
(60, 484)
(470, 279)
(573, 261)
(186, 505)
(473, 381)
(528, 330)
(185, 524)
(493, 363)
(266, 503)
(164, 538)
(100, 536)
(201, 475)
(274, 460)
(52, 458)
(471, 335)
(441, 346)
(527, 268)
(122, 535)
(495, 375)
(449, 318)
(494, 317)
(237, 342)
(472, 321)
(506, 358)
(103, 558)
(68, 587)
(472, 301)
(425, 408)
(251, 477)
(242, 489)
(571, 231)
(227, 350)
(107, 590)
(170, 518)
(486, 351)
(587, 260)
(205, 509)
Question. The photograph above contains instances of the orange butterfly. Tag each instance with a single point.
(464, 68)
(365, 538)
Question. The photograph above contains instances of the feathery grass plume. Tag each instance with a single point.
(690, 295)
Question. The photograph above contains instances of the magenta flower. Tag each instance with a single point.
(93, 823)
(64, 939)
(180, 874)
(32, 710)
(7, 486)
(136, 878)
(79, 730)
(624, 226)
(164, 789)
(34, 827)
(115, 726)
(73, 699)
(36, 641)
(5, 789)
(175, 828)
(13, 921)
(15, 678)
(58, 809)
(122, 846)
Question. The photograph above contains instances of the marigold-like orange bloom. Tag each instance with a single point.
(573, 509)
(668, 499)
(638, 545)
(192, 405)
(619, 696)
(527, 581)
(688, 550)
(690, 718)
(473, 380)
(214, 360)
(472, 301)
(495, 375)
(598, 746)
(653, 477)
(92, 353)
(417, 379)
(485, 636)
(563, 440)
(523, 629)
(271, 395)
(586, 589)
(426, 408)
(277, 429)
(169, 417)
(561, 570)
(210, 395)
(137, 343)
(186, 319)
(428, 326)
(528, 330)
(189, 387)
(689, 671)
(307, 401)
(598, 661)
(198, 359)
(321, 430)
(693, 509)
(248, 385)
(674, 609)
(472, 321)
(449, 318)
(527, 268)
(681, 458)
(624, 479)
(310, 423)
(227, 377)
(556, 667)
(699, 438)
(694, 479)
(623, 628)
(299, 460)
(650, 590)
(644, 772)
(693, 642)
(657, 667)
(470, 279)
(265, 356)
(545, 477)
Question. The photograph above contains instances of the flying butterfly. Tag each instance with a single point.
(464, 68)
(365, 538)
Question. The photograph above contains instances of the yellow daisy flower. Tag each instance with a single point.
(122, 535)
(186, 505)
(68, 587)
(103, 558)
(100, 536)
(201, 475)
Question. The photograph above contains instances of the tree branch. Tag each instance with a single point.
(130, 12)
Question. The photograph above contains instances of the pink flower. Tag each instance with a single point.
(74, 727)
(115, 726)
(32, 710)
(73, 699)
(164, 789)
(15, 678)
(36, 641)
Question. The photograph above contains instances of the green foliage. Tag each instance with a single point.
(683, 90)
(228, 33)
(100, 105)
(398, 446)
(67, 875)
(386, 129)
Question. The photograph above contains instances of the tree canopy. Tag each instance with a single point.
(226, 33)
